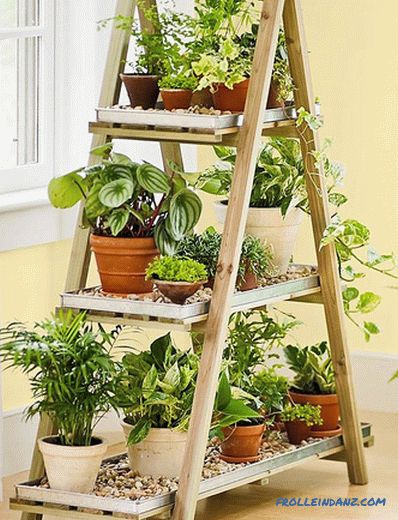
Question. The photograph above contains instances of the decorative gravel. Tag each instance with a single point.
(294, 272)
(196, 109)
(117, 480)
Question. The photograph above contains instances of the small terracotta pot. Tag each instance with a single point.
(178, 292)
(242, 443)
(329, 404)
(273, 101)
(231, 99)
(202, 98)
(176, 98)
(122, 263)
(247, 282)
(297, 431)
(143, 90)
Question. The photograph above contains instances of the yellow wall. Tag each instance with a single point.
(353, 58)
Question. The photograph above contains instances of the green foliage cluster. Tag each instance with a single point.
(178, 81)
(172, 269)
(71, 371)
(155, 388)
(313, 368)
(308, 413)
(121, 199)
(270, 388)
(205, 248)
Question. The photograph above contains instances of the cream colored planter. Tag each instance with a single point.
(160, 453)
(71, 468)
(271, 227)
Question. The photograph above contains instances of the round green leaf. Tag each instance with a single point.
(152, 179)
(65, 191)
(116, 193)
(184, 213)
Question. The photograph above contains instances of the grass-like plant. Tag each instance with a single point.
(173, 269)
(71, 371)
(307, 413)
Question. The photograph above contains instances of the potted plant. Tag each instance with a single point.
(239, 426)
(272, 390)
(134, 210)
(298, 420)
(314, 384)
(155, 391)
(255, 263)
(72, 378)
(177, 90)
(177, 278)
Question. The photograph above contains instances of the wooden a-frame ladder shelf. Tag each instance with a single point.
(349, 446)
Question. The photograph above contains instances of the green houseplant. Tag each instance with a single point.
(298, 419)
(134, 211)
(256, 262)
(177, 90)
(155, 391)
(72, 377)
(177, 278)
(314, 383)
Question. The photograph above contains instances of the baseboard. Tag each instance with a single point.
(371, 373)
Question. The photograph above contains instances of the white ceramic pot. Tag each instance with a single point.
(271, 227)
(161, 453)
(72, 468)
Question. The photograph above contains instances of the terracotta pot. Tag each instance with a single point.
(122, 263)
(161, 453)
(231, 99)
(297, 431)
(329, 404)
(242, 443)
(272, 228)
(142, 89)
(202, 98)
(72, 468)
(247, 282)
(176, 98)
(178, 292)
(273, 96)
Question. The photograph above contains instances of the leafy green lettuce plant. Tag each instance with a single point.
(308, 413)
(71, 371)
(129, 200)
(174, 269)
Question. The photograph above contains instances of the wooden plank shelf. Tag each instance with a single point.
(30, 497)
(118, 309)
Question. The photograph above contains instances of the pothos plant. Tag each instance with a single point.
(129, 200)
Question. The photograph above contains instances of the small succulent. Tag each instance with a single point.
(173, 269)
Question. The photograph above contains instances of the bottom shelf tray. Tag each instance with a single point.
(31, 497)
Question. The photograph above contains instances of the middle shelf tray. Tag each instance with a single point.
(93, 301)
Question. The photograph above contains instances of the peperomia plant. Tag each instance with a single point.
(71, 370)
(155, 388)
(313, 368)
(128, 200)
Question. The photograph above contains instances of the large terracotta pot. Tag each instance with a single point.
(161, 453)
(231, 99)
(242, 443)
(122, 263)
(176, 98)
(272, 228)
(297, 431)
(143, 90)
(71, 468)
(330, 412)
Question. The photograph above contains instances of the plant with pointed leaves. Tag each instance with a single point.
(128, 200)
(155, 388)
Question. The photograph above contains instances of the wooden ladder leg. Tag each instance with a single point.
(327, 260)
(220, 307)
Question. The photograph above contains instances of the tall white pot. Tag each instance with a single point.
(72, 468)
(271, 227)
(161, 453)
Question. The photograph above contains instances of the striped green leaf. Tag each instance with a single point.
(94, 208)
(117, 171)
(184, 213)
(152, 179)
(116, 193)
(117, 220)
(164, 242)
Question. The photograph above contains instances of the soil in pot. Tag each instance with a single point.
(242, 443)
(231, 99)
(72, 468)
(330, 411)
(161, 453)
(143, 90)
(176, 98)
(297, 431)
(122, 263)
(178, 292)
